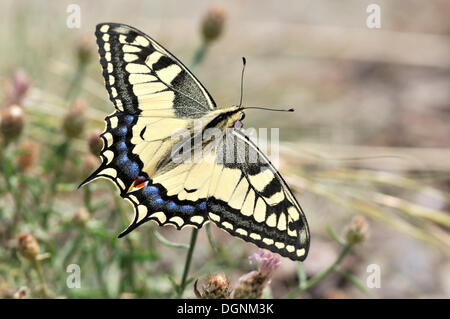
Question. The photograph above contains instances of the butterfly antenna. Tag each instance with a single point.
(244, 62)
(269, 109)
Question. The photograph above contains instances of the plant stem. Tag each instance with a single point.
(37, 265)
(188, 263)
(316, 279)
(199, 55)
(75, 84)
(87, 198)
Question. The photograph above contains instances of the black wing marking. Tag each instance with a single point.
(252, 201)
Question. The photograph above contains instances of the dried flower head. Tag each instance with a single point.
(357, 230)
(213, 23)
(12, 122)
(95, 142)
(81, 217)
(28, 246)
(216, 287)
(21, 293)
(28, 153)
(75, 119)
(251, 285)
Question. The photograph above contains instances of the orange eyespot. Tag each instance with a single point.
(139, 182)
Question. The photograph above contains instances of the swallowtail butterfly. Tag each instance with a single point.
(154, 94)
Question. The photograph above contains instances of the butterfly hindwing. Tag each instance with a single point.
(251, 200)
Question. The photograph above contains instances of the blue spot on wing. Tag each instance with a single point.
(128, 119)
(121, 146)
(172, 206)
(123, 131)
(151, 190)
(134, 169)
(124, 159)
(187, 208)
(159, 201)
(202, 206)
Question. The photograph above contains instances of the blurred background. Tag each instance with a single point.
(369, 137)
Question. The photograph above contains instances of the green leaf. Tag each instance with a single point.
(210, 239)
(175, 286)
(189, 281)
(168, 243)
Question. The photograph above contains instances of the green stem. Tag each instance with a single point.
(187, 265)
(37, 265)
(87, 198)
(61, 154)
(199, 55)
(302, 279)
(75, 84)
(316, 279)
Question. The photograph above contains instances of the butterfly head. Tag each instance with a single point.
(230, 117)
(241, 116)
(236, 116)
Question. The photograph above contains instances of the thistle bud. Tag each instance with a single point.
(12, 121)
(357, 230)
(81, 217)
(75, 119)
(213, 23)
(28, 155)
(89, 164)
(251, 285)
(95, 142)
(28, 246)
(84, 50)
(216, 287)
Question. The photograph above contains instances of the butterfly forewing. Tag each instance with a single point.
(143, 78)
(154, 94)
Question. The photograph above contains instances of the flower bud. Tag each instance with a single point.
(88, 165)
(251, 285)
(75, 119)
(216, 287)
(95, 142)
(213, 23)
(28, 246)
(28, 153)
(18, 87)
(357, 230)
(81, 217)
(12, 121)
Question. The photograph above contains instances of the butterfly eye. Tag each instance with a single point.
(242, 116)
